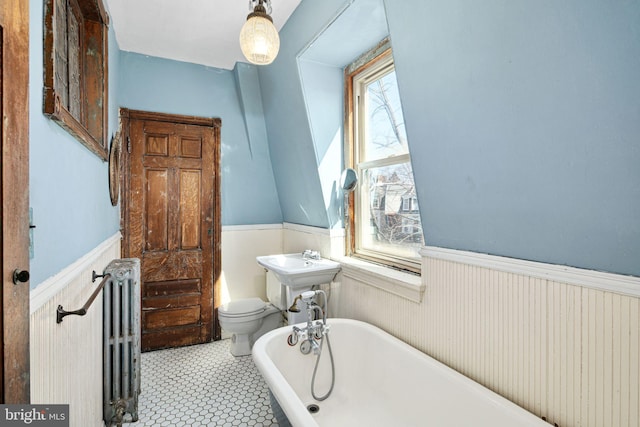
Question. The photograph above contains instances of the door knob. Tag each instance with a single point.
(20, 276)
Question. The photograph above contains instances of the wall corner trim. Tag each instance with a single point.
(608, 282)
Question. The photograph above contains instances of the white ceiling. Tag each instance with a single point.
(198, 31)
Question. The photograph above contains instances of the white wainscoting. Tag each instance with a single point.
(66, 358)
(297, 238)
(242, 276)
(546, 337)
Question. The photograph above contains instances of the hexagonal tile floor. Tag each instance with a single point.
(202, 385)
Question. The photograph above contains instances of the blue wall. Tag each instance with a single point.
(321, 65)
(293, 154)
(69, 187)
(305, 152)
(69, 190)
(524, 125)
(154, 84)
(322, 86)
(523, 121)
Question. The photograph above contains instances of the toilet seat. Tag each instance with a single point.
(242, 308)
(247, 320)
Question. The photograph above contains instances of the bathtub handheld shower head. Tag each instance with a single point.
(294, 307)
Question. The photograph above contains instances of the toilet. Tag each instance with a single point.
(250, 318)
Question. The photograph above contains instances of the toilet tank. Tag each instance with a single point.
(275, 291)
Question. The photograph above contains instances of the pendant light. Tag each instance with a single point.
(259, 38)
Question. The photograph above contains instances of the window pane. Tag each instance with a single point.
(386, 226)
(385, 132)
(388, 223)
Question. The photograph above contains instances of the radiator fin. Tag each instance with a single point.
(122, 341)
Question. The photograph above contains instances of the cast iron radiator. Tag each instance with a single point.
(121, 369)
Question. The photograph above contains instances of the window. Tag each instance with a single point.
(75, 69)
(406, 204)
(385, 226)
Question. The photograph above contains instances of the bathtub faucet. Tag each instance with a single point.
(314, 330)
(317, 330)
(309, 298)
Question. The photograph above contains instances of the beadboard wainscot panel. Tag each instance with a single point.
(66, 358)
(329, 242)
(242, 276)
(561, 342)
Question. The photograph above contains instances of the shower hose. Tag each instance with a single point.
(315, 370)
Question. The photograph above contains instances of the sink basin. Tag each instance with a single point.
(297, 272)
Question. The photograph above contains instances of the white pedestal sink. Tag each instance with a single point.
(297, 272)
(298, 275)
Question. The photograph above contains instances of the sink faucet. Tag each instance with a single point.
(309, 254)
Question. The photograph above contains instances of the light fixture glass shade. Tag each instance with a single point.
(259, 40)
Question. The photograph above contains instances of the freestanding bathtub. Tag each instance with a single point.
(379, 381)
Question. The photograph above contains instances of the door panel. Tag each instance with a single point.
(170, 215)
(157, 210)
(189, 201)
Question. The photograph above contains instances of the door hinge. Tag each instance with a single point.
(128, 145)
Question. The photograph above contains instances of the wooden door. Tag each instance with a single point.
(14, 133)
(173, 225)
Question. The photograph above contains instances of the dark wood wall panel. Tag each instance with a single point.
(95, 76)
(60, 52)
(74, 63)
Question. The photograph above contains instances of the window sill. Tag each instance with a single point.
(400, 283)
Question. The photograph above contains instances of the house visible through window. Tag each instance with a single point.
(386, 226)
(75, 69)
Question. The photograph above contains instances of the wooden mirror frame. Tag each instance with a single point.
(76, 70)
(114, 169)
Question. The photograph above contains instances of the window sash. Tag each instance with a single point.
(405, 257)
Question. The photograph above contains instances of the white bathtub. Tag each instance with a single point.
(380, 381)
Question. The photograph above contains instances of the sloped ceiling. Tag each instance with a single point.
(197, 31)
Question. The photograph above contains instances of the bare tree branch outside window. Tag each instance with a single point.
(390, 223)
(385, 226)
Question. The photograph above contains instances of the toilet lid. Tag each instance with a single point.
(242, 307)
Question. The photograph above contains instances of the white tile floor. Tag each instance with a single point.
(202, 385)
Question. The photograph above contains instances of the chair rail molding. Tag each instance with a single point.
(611, 282)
